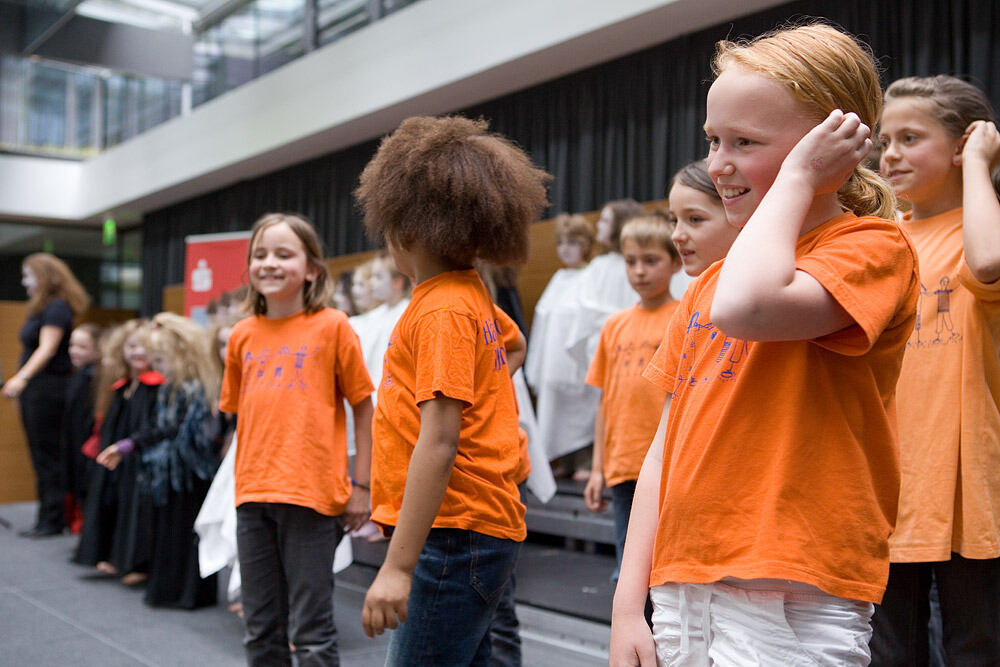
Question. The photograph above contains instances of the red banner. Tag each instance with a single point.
(213, 264)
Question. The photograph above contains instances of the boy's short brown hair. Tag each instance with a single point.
(454, 189)
(651, 228)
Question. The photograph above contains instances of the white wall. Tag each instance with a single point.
(431, 57)
(39, 188)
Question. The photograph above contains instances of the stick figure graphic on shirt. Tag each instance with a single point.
(300, 360)
(916, 342)
(693, 331)
(944, 322)
(737, 351)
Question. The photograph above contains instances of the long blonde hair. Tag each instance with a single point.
(55, 281)
(113, 365)
(187, 349)
(824, 69)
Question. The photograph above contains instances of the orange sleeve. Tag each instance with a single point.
(986, 292)
(445, 359)
(229, 400)
(596, 372)
(662, 368)
(871, 285)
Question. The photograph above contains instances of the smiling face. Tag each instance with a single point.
(702, 233)
(751, 123)
(136, 355)
(279, 268)
(920, 159)
(82, 348)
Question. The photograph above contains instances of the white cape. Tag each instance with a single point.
(216, 528)
(566, 405)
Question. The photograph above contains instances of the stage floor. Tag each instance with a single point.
(58, 613)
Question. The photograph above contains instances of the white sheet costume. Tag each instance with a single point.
(566, 405)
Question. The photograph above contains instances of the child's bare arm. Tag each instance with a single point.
(760, 294)
(516, 352)
(426, 482)
(981, 222)
(359, 505)
(631, 640)
(593, 494)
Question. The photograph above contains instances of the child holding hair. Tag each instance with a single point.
(442, 193)
(116, 533)
(702, 234)
(630, 404)
(763, 510)
(289, 368)
(78, 419)
(939, 142)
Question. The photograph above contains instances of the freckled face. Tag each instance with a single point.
(751, 124)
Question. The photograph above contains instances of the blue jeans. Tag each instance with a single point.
(621, 505)
(286, 565)
(505, 633)
(969, 593)
(457, 585)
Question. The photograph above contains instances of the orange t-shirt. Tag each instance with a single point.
(780, 459)
(949, 406)
(449, 342)
(287, 379)
(630, 404)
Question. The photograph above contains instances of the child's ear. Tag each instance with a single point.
(956, 158)
(312, 272)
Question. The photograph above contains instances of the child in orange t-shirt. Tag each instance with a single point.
(442, 193)
(763, 510)
(938, 144)
(630, 404)
(702, 234)
(288, 370)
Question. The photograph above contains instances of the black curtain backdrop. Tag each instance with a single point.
(616, 130)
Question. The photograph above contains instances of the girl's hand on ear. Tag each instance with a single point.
(982, 142)
(827, 155)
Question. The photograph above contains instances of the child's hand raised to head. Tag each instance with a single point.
(982, 142)
(386, 601)
(829, 152)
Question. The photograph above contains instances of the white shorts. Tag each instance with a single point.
(764, 622)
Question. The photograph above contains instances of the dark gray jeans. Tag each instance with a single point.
(286, 566)
(969, 593)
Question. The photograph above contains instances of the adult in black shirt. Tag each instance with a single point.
(55, 297)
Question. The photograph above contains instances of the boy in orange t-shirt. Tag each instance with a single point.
(442, 193)
(630, 404)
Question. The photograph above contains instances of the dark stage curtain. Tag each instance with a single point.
(615, 130)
